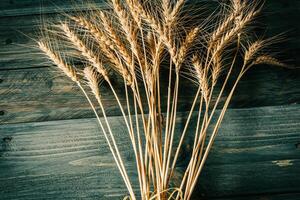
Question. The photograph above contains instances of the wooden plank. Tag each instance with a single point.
(43, 94)
(31, 7)
(257, 152)
(292, 196)
(16, 49)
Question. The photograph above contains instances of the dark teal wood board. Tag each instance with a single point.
(257, 152)
(42, 94)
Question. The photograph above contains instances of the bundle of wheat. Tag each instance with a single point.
(133, 39)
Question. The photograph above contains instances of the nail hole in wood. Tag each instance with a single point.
(8, 41)
(1, 80)
(2, 112)
(298, 145)
(7, 139)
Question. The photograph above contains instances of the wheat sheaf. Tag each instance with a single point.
(148, 44)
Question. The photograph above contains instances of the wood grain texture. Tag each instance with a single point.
(31, 91)
(33, 7)
(43, 94)
(292, 196)
(257, 152)
(16, 49)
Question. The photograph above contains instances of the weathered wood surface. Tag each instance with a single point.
(293, 196)
(31, 91)
(16, 49)
(42, 94)
(33, 7)
(257, 152)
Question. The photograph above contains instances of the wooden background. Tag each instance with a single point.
(50, 146)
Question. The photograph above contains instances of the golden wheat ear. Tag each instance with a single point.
(93, 78)
(269, 60)
(58, 61)
(187, 43)
(201, 76)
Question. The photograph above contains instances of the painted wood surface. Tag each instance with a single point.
(257, 152)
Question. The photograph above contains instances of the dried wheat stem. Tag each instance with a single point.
(93, 80)
(137, 150)
(173, 124)
(184, 133)
(212, 114)
(155, 141)
(168, 117)
(152, 116)
(218, 98)
(118, 153)
(214, 133)
(225, 81)
(145, 188)
(148, 149)
(199, 139)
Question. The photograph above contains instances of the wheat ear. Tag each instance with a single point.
(188, 42)
(116, 39)
(176, 9)
(230, 35)
(128, 27)
(269, 60)
(58, 61)
(253, 49)
(87, 53)
(234, 16)
(156, 26)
